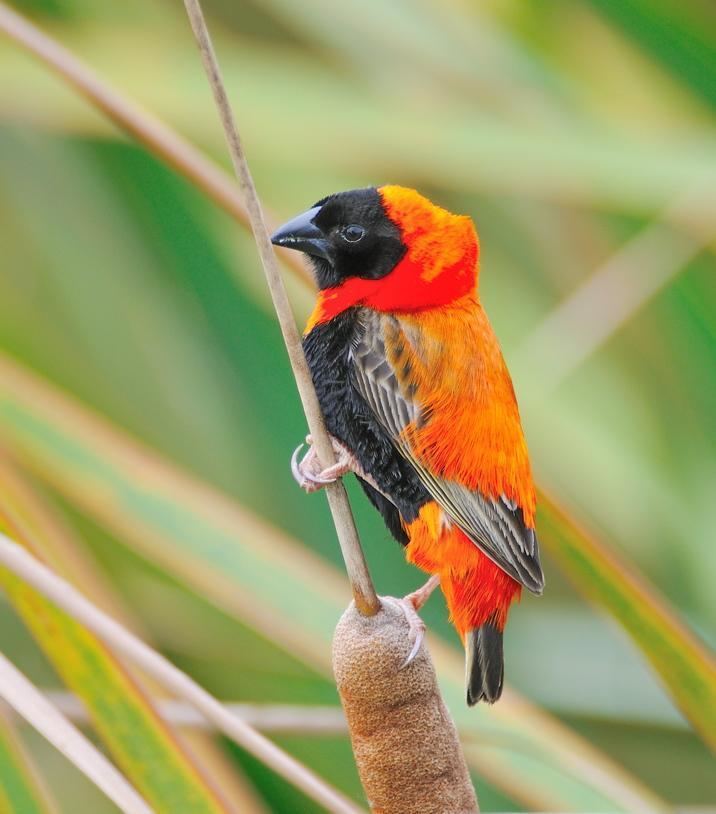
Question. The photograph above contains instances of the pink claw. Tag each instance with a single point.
(419, 636)
(410, 605)
(311, 481)
(295, 471)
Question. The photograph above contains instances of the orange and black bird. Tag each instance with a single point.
(420, 405)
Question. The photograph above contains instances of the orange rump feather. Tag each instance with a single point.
(475, 589)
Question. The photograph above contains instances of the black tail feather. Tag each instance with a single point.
(484, 664)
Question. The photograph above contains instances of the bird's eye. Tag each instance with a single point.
(352, 233)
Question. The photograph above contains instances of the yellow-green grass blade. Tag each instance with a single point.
(141, 744)
(145, 748)
(42, 523)
(21, 791)
(683, 663)
(683, 42)
(280, 588)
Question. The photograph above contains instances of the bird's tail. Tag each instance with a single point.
(478, 595)
(484, 664)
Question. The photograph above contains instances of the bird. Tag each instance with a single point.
(420, 406)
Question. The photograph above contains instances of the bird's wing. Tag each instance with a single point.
(496, 526)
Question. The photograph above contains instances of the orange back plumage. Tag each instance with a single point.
(451, 360)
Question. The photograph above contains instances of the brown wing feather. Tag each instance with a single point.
(496, 526)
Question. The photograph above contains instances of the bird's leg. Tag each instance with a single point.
(308, 473)
(418, 598)
(410, 605)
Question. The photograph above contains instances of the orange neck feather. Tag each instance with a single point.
(439, 266)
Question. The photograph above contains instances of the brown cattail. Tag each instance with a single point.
(405, 742)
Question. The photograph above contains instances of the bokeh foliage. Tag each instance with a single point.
(565, 128)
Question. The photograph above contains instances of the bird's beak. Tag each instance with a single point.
(302, 234)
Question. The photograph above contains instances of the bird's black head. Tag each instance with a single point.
(346, 235)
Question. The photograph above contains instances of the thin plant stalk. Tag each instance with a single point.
(28, 702)
(287, 719)
(364, 594)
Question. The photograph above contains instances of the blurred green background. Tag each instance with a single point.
(580, 135)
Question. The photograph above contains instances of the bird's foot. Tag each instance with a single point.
(410, 605)
(309, 474)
